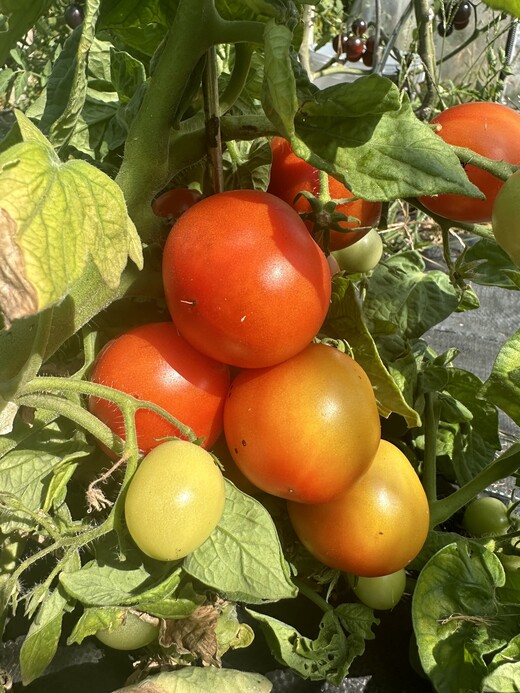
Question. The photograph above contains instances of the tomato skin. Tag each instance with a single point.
(382, 592)
(244, 281)
(486, 516)
(153, 362)
(174, 202)
(290, 175)
(304, 429)
(131, 634)
(376, 527)
(505, 218)
(174, 500)
(490, 129)
(361, 256)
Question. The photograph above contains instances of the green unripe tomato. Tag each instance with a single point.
(131, 634)
(174, 500)
(505, 218)
(380, 592)
(486, 517)
(361, 256)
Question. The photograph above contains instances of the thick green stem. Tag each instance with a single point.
(426, 51)
(120, 399)
(506, 465)
(145, 168)
(212, 118)
(429, 469)
(75, 412)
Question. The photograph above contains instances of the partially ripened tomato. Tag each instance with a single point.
(172, 203)
(291, 175)
(153, 362)
(376, 527)
(490, 129)
(244, 281)
(306, 428)
(174, 500)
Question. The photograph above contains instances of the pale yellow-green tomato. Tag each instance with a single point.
(174, 500)
(381, 592)
(132, 633)
(361, 256)
(505, 218)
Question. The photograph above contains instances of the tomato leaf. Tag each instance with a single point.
(93, 619)
(196, 679)
(459, 619)
(402, 298)
(140, 24)
(510, 6)
(120, 582)
(366, 135)
(41, 642)
(495, 267)
(503, 385)
(279, 89)
(26, 477)
(327, 657)
(345, 321)
(21, 16)
(54, 218)
(242, 558)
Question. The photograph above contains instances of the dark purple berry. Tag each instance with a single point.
(73, 16)
(354, 47)
(359, 26)
(462, 16)
(444, 29)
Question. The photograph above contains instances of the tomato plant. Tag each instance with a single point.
(486, 516)
(154, 363)
(490, 129)
(291, 175)
(174, 501)
(505, 217)
(109, 124)
(387, 504)
(306, 428)
(131, 633)
(382, 592)
(232, 265)
(172, 203)
(361, 256)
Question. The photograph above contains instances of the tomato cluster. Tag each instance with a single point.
(248, 288)
(455, 15)
(356, 45)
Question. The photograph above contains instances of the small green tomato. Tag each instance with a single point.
(132, 633)
(486, 516)
(380, 592)
(361, 256)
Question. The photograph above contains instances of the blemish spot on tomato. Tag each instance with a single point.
(236, 451)
(244, 443)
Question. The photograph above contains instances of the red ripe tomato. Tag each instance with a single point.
(154, 363)
(290, 175)
(174, 202)
(306, 428)
(376, 527)
(487, 128)
(244, 281)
